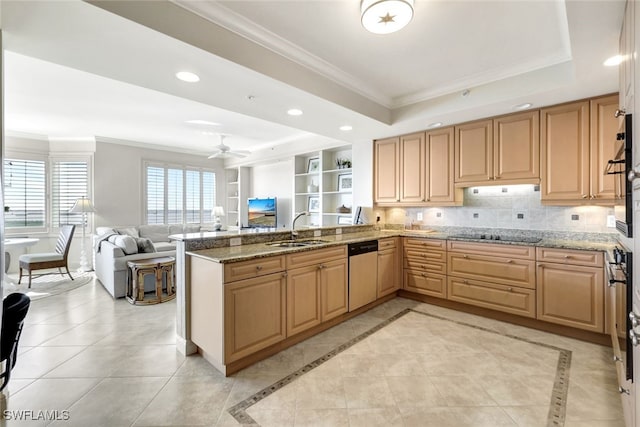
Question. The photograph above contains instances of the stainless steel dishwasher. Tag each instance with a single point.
(363, 273)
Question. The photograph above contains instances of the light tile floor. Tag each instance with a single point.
(113, 364)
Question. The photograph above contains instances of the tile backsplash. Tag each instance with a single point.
(513, 206)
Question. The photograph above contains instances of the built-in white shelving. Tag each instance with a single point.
(237, 191)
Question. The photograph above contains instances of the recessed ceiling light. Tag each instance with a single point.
(434, 125)
(294, 112)
(187, 76)
(202, 122)
(346, 127)
(614, 60)
(523, 106)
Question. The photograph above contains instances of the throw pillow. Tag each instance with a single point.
(129, 231)
(145, 245)
(127, 244)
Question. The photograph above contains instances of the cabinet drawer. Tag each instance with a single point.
(318, 256)
(507, 271)
(387, 243)
(253, 268)
(488, 295)
(508, 251)
(423, 265)
(568, 256)
(431, 244)
(419, 282)
(430, 256)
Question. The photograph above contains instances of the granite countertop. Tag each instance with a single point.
(261, 250)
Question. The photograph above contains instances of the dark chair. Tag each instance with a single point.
(14, 310)
(46, 260)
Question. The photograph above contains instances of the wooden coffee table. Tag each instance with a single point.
(159, 267)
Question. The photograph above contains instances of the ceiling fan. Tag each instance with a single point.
(222, 151)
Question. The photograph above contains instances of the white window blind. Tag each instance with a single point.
(25, 194)
(69, 182)
(178, 195)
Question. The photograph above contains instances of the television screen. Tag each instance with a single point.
(262, 213)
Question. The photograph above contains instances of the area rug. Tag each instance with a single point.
(48, 285)
(556, 395)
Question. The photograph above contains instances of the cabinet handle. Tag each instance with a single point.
(321, 266)
(510, 289)
(258, 267)
(623, 390)
(465, 282)
(567, 256)
(616, 359)
(465, 256)
(285, 274)
(592, 197)
(428, 200)
(509, 261)
(424, 274)
(584, 196)
(497, 176)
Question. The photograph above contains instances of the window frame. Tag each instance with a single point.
(58, 158)
(184, 168)
(31, 157)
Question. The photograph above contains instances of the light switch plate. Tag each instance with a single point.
(611, 221)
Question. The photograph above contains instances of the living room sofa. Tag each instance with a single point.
(114, 246)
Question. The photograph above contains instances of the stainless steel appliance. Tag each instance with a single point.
(505, 238)
(622, 320)
(363, 273)
(622, 166)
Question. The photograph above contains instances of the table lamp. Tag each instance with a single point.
(83, 206)
(218, 211)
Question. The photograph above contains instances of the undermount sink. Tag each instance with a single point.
(297, 243)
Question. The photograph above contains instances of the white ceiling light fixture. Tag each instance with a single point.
(294, 112)
(223, 151)
(385, 16)
(187, 76)
(613, 61)
(346, 128)
(203, 122)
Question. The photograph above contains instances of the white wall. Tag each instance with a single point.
(118, 180)
(275, 180)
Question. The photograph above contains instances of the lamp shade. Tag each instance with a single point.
(385, 16)
(82, 205)
(218, 211)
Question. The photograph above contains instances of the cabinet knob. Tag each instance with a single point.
(510, 261)
(567, 256)
(284, 274)
(584, 196)
(510, 289)
(258, 267)
(465, 256)
(497, 176)
(592, 197)
(616, 359)
(321, 266)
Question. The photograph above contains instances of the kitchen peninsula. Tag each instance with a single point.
(242, 303)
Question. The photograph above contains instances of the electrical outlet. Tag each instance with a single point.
(317, 233)
(235, 241)
(611, 221)
(419, 216)
(338, 231)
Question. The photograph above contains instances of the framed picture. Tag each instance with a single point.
(345, 220)
(314, 204)
(344, 182)
(314, 165)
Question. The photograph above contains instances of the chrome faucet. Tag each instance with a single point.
(294, 233)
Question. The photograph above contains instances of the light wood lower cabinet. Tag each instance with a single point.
(510, 299)
(315, 294)
(507, 271)
(254, 316)
(389, 266)
(425, 266)
(420, 282)
(571, 295)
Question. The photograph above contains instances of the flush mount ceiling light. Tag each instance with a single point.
(187, 76)
(294, 112)
(613, 61)
(346, 128)
(385, 16)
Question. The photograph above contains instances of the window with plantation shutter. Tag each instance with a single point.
(69, 182)
(25, 194)
(179, 195)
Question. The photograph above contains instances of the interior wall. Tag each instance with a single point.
(275, 180)
(118, 180)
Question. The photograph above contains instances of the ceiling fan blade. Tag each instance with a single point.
(237, 154)
(218, 155)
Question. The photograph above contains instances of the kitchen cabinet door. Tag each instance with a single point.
(389, 270)
(386, 170)
(571, 295)
(334, 288)
(434, 285)
(564, 152)
(254, 315)
(604, 127)
(412, 162)
(516, 147)
(439, 168)
(474, 152)
(303, 299)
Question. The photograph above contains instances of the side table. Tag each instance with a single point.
(160, 268)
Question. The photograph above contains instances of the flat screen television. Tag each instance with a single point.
(262, 212)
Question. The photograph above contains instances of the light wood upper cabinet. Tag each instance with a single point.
(386, 170)
(474, 152)
(564, 147)
(577, 140)
(440, 168)
(506, 148)
(604, 127)
(412, 168)
(516, 147)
